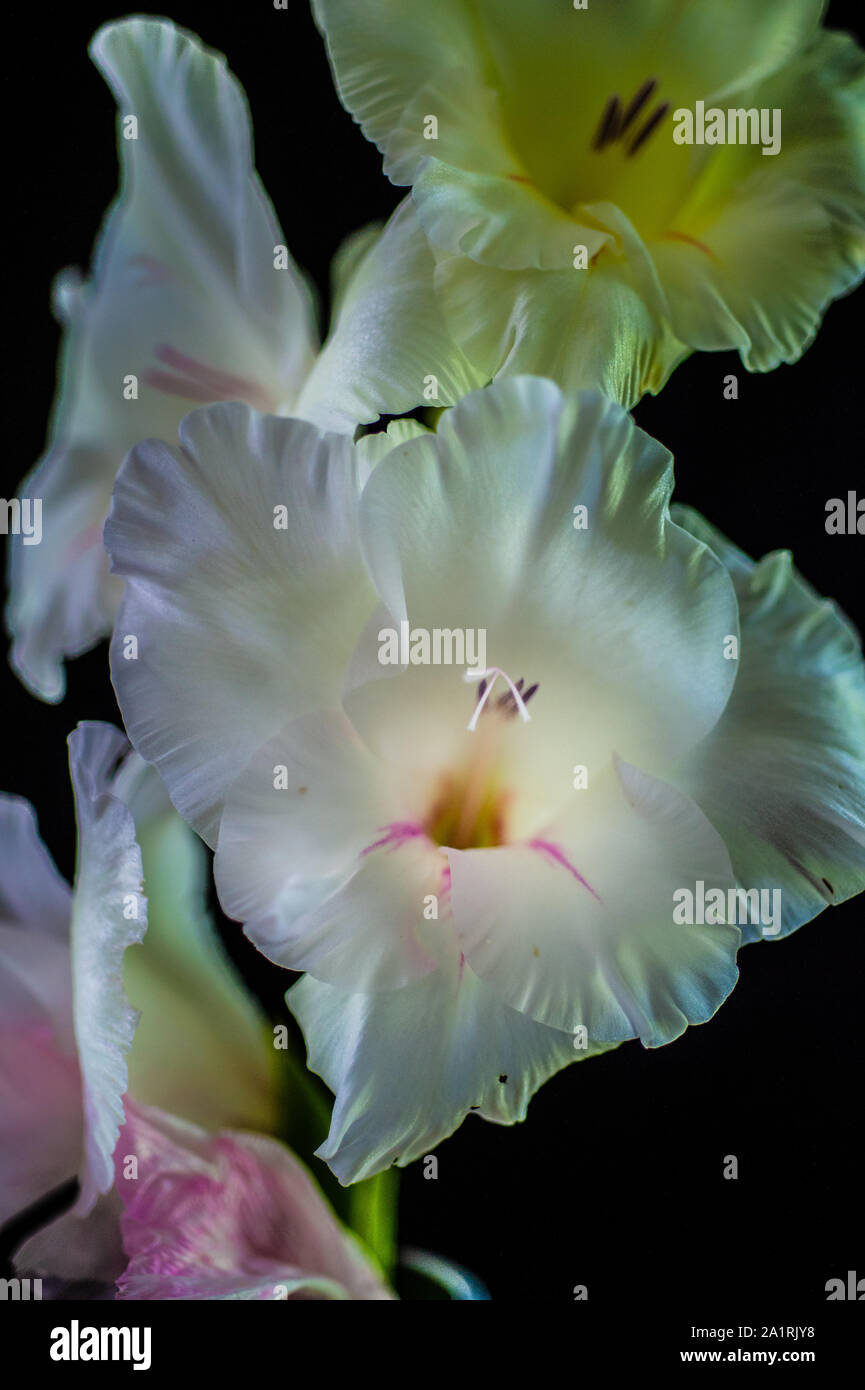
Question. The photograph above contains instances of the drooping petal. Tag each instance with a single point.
(108, 915)
(61, 1111)
(781, 776)
(199, 1044)
(245, 592)
(40, 1101)
(186, 304)
(389, 348)
(40, 1084)
(407, 1065)
(577, 927)
(61, 599)
(33, 894)
(228, 1216)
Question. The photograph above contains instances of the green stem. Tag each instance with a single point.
(372, 1215)
(369, 1208)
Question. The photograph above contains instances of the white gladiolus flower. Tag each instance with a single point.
(479, 898)
(193, 297)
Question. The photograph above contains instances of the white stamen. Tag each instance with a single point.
(492, 673)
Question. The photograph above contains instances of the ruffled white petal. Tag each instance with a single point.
(245, 592)
(782, 776)
(109, 914)
(577, 928)
(64, 994)
(309, 861)
(196, 205)
(408, 1065)
(622, 622)
(381, 65)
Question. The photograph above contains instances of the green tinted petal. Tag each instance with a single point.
(389, 349)
(582, 328)
(765, 243)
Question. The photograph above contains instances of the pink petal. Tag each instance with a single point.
(227, 1216)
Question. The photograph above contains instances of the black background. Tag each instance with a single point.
(615, 1180)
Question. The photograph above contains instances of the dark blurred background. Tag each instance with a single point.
(615, 1180)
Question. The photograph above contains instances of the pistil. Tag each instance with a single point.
(486, 689)
(477, 788)
(469, 812)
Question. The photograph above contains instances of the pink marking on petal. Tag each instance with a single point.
(196, 381)
(84, 541)
(180, 386)
(153, 272)
(558, 856)
(691, 241)
(219, 379)
(446, 881)
(396, 835)
(462, 968)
